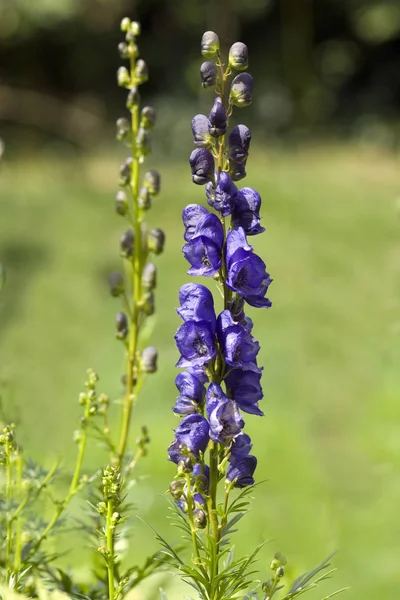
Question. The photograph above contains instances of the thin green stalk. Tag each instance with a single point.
(9, 488)
(110, 549)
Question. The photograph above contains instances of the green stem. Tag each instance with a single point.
(9, 486)
(110, 549)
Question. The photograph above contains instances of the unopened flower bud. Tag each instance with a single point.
(152, 181)
(237, 171)
(199, 518)
(141, 72)
(149, 359)
(176, 489)
(123, 50)
(202, 164)
(125, 171)
(143, 140)
(123, 129)
(239, 143)
(185, 465)
(148, 305)
(202, 137)
(123, 77)
(238, 56)
(125, 24)
(267, 587)
(201, 483)
(126, 243)
(133, 98)
(156, 240)
(149, 277)
(241, 90)
(135, 28)
(121, 202)
(208, 74)
(144, 198)
(217, 119)
(121, 323)
(280, 572)
(148, 117)
(116, 283)
(209, 44)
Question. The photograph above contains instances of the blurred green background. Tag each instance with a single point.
(325, 160)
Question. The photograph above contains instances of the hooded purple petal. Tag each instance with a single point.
(193, 432)
(241, 470)
(222, 197)
(246, 211)
(223, 415)
(202, 164)
(191, 215)
(238, 346)
(197, 304)
(217, 119)
(195, 342)
(245, 388)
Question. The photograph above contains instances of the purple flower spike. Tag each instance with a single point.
(202, 137)
(191, 389)
(241, 470)
(204, 250)
(223, 415)
(239, 143)
(202, 164)
(223, 196)
(195, 342)
(246, 271)
(244, 387)
(217, 119)
(237, 344)
(246, 211)
(191, 216)
(193, 432)
(197, 304)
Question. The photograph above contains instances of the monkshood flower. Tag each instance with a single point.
(196, 344)
(204, 249)
(191, 389)
(223, 415)
(244, 387)
(217, 119)
(238, 346)
(190, 217)
(247, 274)
(241, 470)
(239, 143)
(192, 434)
(246, 211)
(241, 445)
(201, 134)
(202, 164)
(241, 90)
(208, 74)
(222, 197)
(197, 304)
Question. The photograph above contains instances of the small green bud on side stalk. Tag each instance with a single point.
(149, 359)
(185, 466)
(127, 240)
(148, 305)
(141, 72)
(156, 240)
(152, 181)
(149, 277)
(125, 24)
(123, 129)
(121, 202)
(143, 141)
(123, 77)
(144, 198)
(199, 518)
(125, 172)
(238, 56)
(148, 117)
(121, 323)
(133, 98)
(116, 283)
(176, 489)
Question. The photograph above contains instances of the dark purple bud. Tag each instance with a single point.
(149, 360)
(209, 44)
(176, 488)
(199, 518)
(125, 172)
(148, 117)
(149, 277)
(156, 240)
(133, 98)
(241, 90)
(123, 77)
(191, 216)
(121, 325)
(217, 119)
(123, 129)
(208, 74)
(144, 198)
(223, 415)
(202, 137)
(141, 72)
(202, 164)
(127, 240)
(222, 197)
(143, 140)
(246, 212)
(121, 202)
(237, 171)
(193, 433)
(239, 143)
(116, 283)
(152, 181)
(238, 56)
(241, 471)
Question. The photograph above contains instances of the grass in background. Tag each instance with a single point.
(329, 444)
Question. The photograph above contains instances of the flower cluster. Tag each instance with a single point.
(221, 378)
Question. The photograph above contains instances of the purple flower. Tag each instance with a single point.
(202, 164)
(246, 271)
(197, 304)
(195, 342)
(175, 452)
(246, 211)
(223, 196)
(237, 344)
(204, 249)
(241, 90)
(190, 217)
(217, 119)
(237, 171)
(191, 389)
(241, 446)
(239, 143)
(202, 137)
(244, 387)
(223, 415)
(193, 433)
(241, 471)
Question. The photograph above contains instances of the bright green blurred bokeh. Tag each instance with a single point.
(329, 445)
